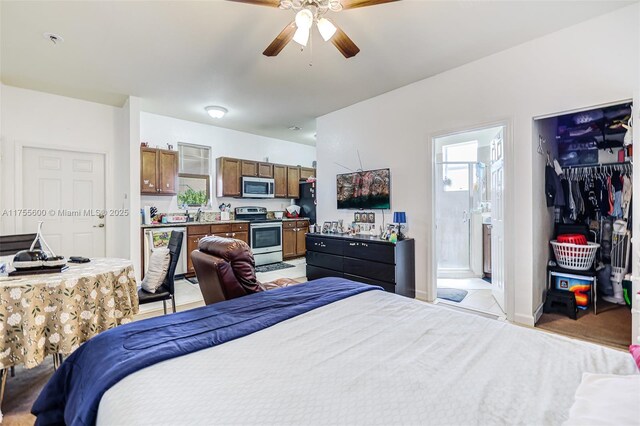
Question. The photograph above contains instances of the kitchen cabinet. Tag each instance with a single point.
(238, 231)
(265, 170)
(249, 168)
(294, 238)
(280, 177)
(293, 182)
(158, 171)
(228, 175)
(307, 172)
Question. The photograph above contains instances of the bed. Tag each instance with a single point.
(369, 357)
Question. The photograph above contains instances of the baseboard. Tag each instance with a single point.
(538, 313)
(527, 320)
(421, 295)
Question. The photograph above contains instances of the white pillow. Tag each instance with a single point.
(158, 266)
(606, 399)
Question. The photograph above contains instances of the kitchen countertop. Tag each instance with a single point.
(169, 225)
(287, 219)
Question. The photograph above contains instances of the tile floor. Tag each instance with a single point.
(479, 297)
(188, 295)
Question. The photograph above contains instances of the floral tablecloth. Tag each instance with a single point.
(54, 313)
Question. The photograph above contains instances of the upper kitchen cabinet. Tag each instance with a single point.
(228, 176)
(307, 172)
(249, 168)
(293, 182)
(280, 177)
(158, 171)
(265, 170)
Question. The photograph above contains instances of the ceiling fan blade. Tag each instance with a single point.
(344, 44)
(281, 40)
(270, 3)
(352, 4)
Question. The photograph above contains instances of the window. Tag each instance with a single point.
(194, 183)
(194, 159)
(456, 168)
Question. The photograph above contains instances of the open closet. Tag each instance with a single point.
(588, 190)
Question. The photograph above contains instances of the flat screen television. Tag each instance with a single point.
(369, 189)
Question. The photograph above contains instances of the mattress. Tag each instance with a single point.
(373, 358)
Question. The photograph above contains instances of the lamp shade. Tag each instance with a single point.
(399, 217)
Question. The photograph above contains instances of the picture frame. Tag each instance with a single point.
(334, 227)
(326, 227)
(364, 218)
(356, 217)
(371, 217)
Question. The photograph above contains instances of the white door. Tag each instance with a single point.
(497, 219)
(69, 190)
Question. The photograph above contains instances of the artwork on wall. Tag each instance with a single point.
(364, 190)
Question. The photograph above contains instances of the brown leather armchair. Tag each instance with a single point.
(226, 269)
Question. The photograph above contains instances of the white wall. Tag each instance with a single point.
(569, 69)
(31, 118)
(159, 130)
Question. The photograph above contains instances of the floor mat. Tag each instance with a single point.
(452, 294)
(274, 267)
(487, 279)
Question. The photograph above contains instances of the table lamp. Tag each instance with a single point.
(400, 218)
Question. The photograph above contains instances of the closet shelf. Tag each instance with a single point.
(593, 166)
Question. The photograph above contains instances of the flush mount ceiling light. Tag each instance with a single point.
(216, 111)
(309, 12)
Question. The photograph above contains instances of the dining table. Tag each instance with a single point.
(53, 314)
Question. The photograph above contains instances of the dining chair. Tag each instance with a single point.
(167, 290)
(11, 244)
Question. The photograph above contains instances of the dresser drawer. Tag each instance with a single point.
(220, 228)
(289, 224)
(390, 287)
(324, 260)
(314, 273)
(370, 251)
(325, 245)
(370, 269)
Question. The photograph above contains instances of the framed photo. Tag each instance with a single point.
(334, 227)
(326, 227)
(356, 217)
(372, 217)
(364, 218)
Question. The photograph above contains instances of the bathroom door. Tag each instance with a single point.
(497, 219)
(453, 207)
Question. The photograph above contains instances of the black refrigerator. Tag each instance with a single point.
(307, 201)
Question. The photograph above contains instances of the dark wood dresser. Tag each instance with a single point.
(364, 259)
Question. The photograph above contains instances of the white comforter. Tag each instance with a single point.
(374, 358)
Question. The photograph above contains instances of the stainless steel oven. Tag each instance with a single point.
(253, 187)
(266, 241)
(265, 235)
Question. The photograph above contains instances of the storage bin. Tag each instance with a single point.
(580, 285)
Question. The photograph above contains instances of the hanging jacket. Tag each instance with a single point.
(550, 185)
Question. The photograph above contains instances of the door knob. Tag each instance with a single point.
(99, 226)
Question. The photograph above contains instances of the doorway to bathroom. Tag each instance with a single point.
(468, 213)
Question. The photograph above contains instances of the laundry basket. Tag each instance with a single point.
(575, 256)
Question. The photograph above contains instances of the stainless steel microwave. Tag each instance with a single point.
(253, 187)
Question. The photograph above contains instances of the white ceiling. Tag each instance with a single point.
(180, 56)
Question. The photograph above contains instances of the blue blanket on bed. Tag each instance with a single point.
(73, 394)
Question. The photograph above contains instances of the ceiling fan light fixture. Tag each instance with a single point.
(326, 28)
(304, 19)
(216, 111)
(335, 5)
(301, 36)
(286, 4)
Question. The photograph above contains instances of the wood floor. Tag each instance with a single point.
(611, 327)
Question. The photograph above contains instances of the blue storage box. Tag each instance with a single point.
(581, 285)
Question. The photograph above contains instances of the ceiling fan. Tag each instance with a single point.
(309, 12)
